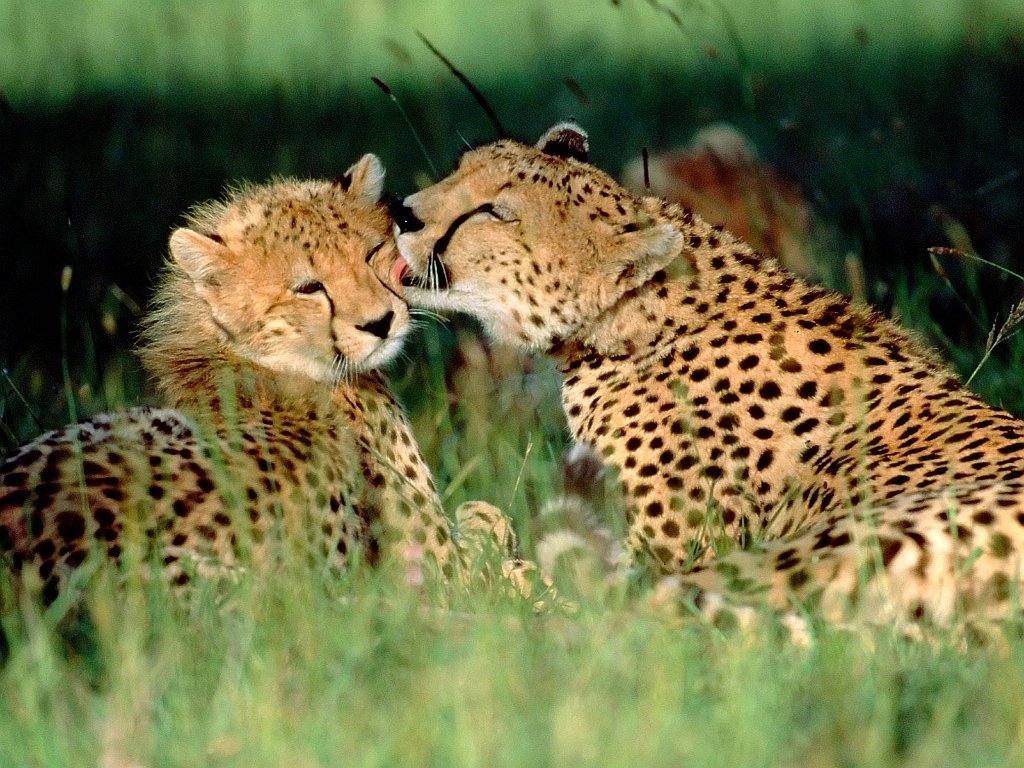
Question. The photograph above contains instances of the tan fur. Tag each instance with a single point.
(741, 406)
(266, 334)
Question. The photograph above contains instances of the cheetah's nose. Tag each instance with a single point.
(405, 218)
(380, 326)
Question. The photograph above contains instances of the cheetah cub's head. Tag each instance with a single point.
(532, 240)
(282, 275)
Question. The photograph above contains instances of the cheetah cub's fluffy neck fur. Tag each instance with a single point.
(742, 407)
(266, 337)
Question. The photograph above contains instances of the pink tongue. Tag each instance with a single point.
(399, 270)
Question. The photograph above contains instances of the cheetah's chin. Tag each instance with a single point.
(383, 354)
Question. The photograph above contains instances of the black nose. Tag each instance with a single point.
(404, 217)
(380, 326)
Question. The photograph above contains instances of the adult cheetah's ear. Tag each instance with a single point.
(565, 140)
(200, 256)
(365, 179)
(636, 255)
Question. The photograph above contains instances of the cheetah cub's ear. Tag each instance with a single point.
(201, 257)
(565, 140)
(365, 179)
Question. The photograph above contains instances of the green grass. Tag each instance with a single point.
(115, 116)
(52, 50)
(288, 674)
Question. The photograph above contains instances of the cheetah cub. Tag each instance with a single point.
(266, 337)
(771, 437)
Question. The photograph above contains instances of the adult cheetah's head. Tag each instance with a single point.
(533, 241)
(281, 275)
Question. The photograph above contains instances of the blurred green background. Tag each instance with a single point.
(902, 124)
(895, 118)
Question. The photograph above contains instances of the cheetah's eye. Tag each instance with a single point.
(501, 212)
(373, 251)
(308, 287)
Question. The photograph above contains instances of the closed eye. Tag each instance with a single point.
(487, 209)
(308, 287)
(373, 251)
(501, 212)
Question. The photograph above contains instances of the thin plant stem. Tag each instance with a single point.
(412, 129)
(14, 388)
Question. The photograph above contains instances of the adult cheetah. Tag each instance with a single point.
(822, 445)
(267, 333)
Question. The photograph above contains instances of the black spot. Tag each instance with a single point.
(114, 494)
(792, 413)
(14, 499)
(798, 578)
(805, 426)
(70, 525)
(75, 558)
(50, 590)
(728, 421)
(686, 462)
(45, 549)
(808, 453)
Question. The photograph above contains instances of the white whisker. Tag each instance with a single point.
(443, 273)
(340, 370)
(432, 274)
(404, 358)
(416, 313)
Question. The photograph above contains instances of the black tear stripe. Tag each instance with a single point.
(330, 325)
(442, 243)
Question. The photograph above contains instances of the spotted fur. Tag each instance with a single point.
(771, 437)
